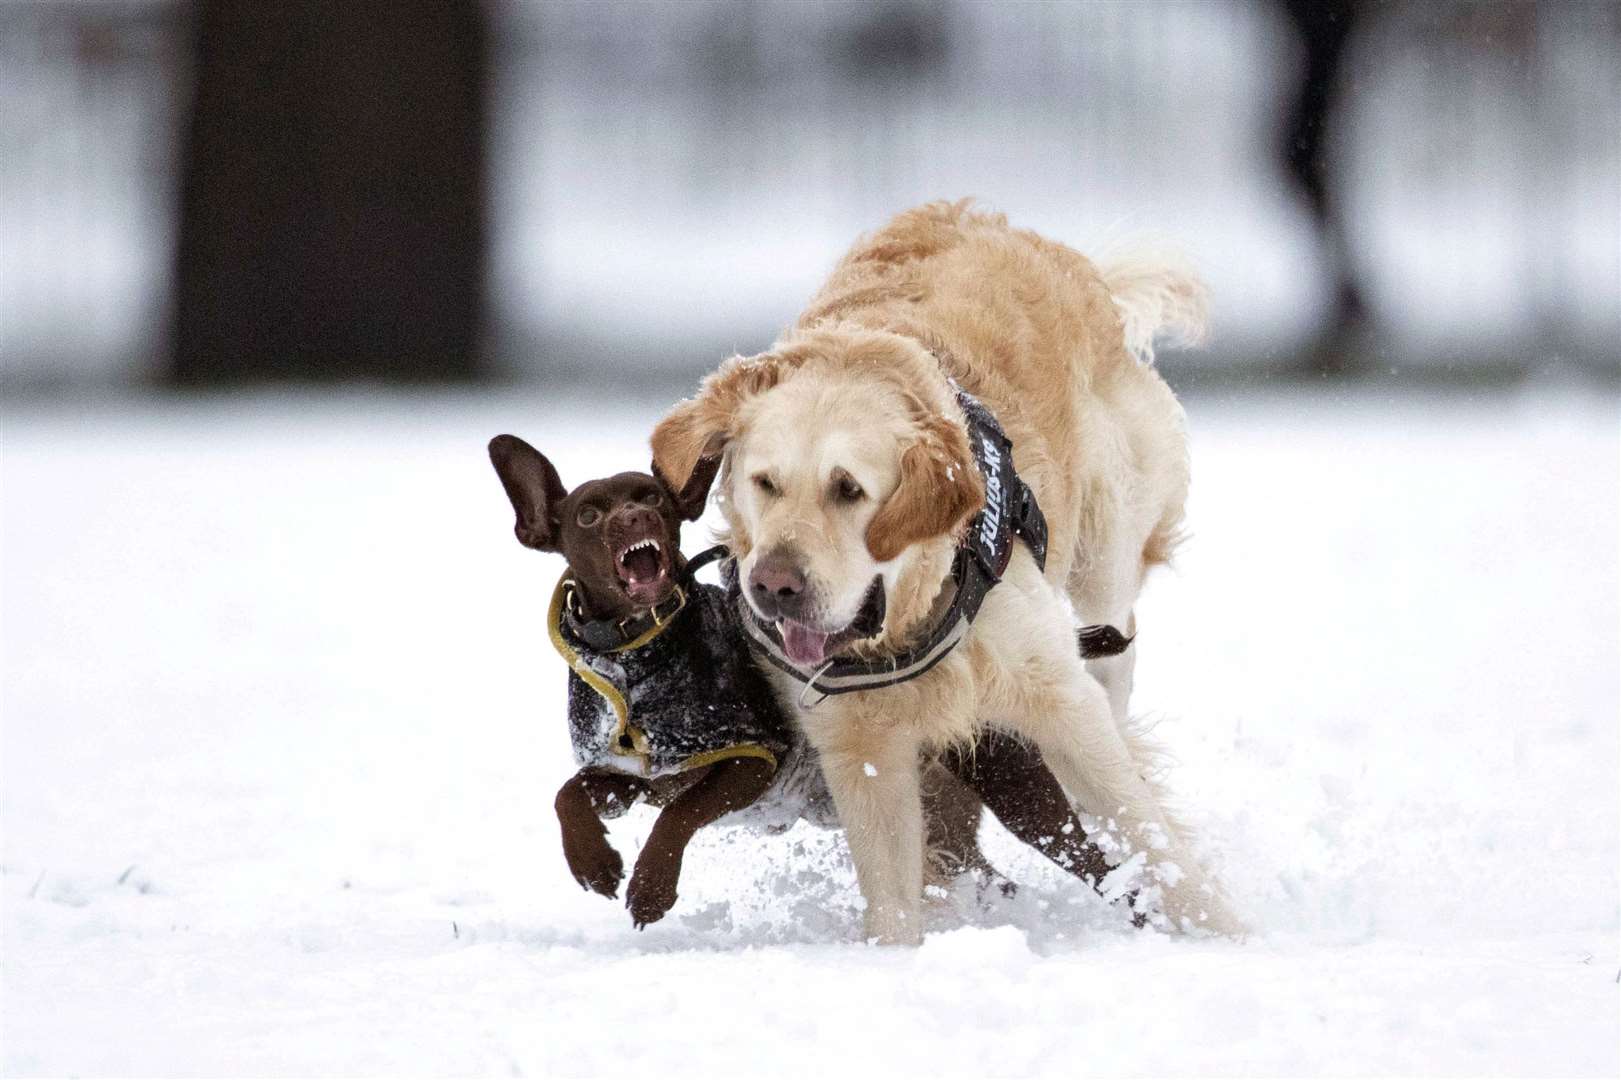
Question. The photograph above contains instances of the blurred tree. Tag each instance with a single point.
(1325, 28)
(332, 192)
(896, 39)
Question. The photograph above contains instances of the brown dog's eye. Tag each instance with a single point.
(849, 491)
(763, 482)
(652, 498)
(588, 516)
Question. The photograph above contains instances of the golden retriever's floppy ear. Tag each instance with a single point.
(687, 446)
(940, 488)
(689, 441)
(689, 500)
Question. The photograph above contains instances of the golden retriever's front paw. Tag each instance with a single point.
(891, 926)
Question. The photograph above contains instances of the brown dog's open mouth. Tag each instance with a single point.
(644, 570)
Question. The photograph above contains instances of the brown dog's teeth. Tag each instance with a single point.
(640, 545)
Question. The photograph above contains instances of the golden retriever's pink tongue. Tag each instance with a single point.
(803, 645)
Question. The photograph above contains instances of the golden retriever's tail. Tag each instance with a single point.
(1159, 296)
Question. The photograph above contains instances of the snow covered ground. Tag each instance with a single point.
(281, 734)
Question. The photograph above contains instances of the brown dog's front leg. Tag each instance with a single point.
(1013, 780)
(591, 859)
(724, 787)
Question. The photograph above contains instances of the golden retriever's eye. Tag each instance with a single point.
(848, 491)
(652, 498)
(588, 516)
(763, 482)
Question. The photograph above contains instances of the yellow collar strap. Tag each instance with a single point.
(627, 740)
(631, 632)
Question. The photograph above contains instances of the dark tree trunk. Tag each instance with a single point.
(1326, 28)
(332, 195)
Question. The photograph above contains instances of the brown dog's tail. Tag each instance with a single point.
(1159, 297)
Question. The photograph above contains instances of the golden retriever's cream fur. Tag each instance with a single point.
(857, 398)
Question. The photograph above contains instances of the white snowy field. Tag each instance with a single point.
(281, 734)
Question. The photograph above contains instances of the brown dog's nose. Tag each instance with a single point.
(636, 517)
(778, 584)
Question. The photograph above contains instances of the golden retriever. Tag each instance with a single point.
(846, 472)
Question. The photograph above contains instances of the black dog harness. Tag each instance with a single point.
(982, 557)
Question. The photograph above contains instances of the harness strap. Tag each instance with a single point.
(1010, 505)
(705, 557)
(1101, 640)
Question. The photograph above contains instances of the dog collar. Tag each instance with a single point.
(621, 635)
(982, 556)
(618, 635)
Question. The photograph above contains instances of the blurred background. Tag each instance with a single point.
(206, 192)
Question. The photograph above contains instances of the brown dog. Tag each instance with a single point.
(666, 706)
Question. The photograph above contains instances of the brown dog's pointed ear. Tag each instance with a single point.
(940, 488)
(534, 488)
(690, 499)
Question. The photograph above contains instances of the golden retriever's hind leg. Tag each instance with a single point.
(1070, 721)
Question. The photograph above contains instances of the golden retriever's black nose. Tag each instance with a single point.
(778, 585)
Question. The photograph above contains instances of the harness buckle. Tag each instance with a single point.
(659, 618)
(680, 602)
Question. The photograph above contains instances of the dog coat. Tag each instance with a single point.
(681, 695)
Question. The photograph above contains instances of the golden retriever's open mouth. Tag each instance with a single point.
(809, 647)
(803, 645)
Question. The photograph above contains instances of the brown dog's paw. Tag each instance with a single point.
(650, 896)
(596, 866)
